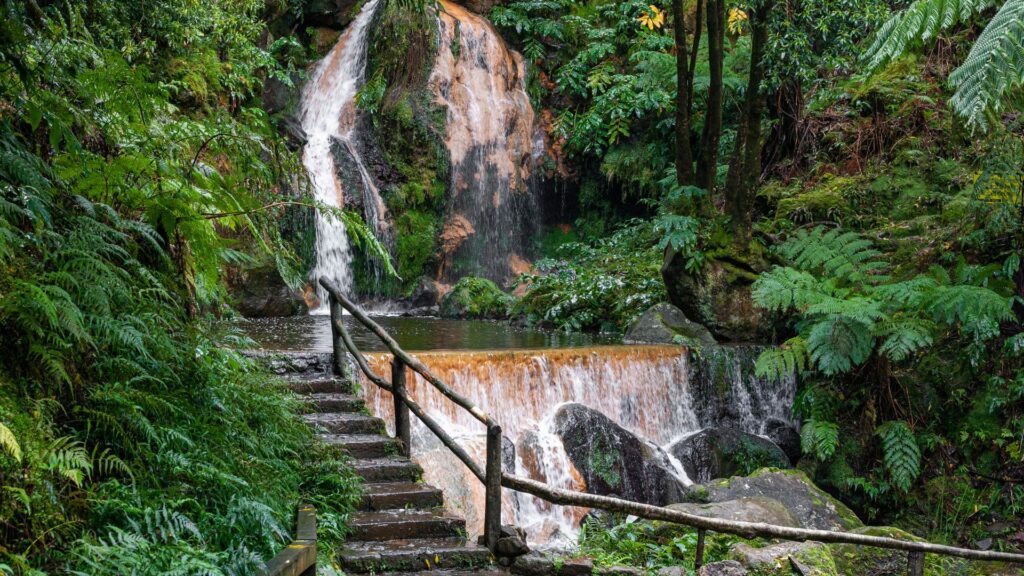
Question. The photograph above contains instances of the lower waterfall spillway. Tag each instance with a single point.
(654, 392)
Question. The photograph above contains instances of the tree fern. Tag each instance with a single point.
(918, 23)
(902, 456)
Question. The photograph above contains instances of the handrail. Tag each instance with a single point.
(299, 557)
(494, 478)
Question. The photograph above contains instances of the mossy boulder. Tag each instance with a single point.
(807, 558)
(752, 509)
(867, 560)
(724, 452)
(718, 295)
(663, 323)
(479, 298)
(811, 506)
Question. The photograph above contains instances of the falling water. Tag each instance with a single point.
(328, 116)
(490, 139)
(648, 390)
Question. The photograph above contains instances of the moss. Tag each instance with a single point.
(475, 297)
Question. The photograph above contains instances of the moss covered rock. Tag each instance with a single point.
(811, 506)
(476, 298)
(724, 452)
(663, 323)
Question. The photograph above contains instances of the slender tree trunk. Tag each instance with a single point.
(684, 96)
(707, 165)
(745, 167)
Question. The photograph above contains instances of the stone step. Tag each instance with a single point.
(395, 495)
(331, 402)
(291, 364)
(345, 423)
(362, 445)
(320, 385)
(389, 469)
(414, 555)
(380, 525)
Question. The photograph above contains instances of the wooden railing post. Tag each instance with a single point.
(915, 563)
(699, 556)
(403, 431)
(492, 506)
(337, 343)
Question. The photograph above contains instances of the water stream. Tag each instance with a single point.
(328, 116)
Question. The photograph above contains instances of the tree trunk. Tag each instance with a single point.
(707, 165)
(684, 96)
(745, 166)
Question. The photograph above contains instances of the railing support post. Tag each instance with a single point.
(337, 343)
(698, 560)
(915, 563)
(403, 431)
(492, 509)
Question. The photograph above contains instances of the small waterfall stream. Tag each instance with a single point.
(659, 393)
(490, 129)
(328, 116)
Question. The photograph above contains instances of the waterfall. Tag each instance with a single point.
(328, 116)
(490, 140)
(655, 392)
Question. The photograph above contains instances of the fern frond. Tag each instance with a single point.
(834, 253)
(9, 443)
(819, 438)
(901, 454)
(994, 66)
(783, 288)
(837, 344)
(918, 23)
(780, 362)
(904, 336)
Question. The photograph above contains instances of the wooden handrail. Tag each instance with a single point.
(494, 478)
(299, 557)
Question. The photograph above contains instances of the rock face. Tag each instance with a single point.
(752, 509)
(724, 452)
(613, 461)
(785, 436)
(476, 298)
(261, 293)
(811, 506)
(665, 324)
(718, 296)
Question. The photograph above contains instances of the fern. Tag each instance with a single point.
(780, 362)
(918, 23)
(819, 438)
(9, 443)
(901, 454)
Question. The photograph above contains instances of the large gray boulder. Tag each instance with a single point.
(811, 506)
(785, 436)
(665, 324)
(806, 558)
(748, 509)
(614, 461)
(724, 452)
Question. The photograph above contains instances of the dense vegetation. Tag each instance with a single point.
(861, 166)
(135, 162)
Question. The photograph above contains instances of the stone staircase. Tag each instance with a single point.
(401, 526)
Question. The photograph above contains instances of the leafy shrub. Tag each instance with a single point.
(473, 297)
(600, 286)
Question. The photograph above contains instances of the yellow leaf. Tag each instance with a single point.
(737, 21)
(653, 18)
(9, 443)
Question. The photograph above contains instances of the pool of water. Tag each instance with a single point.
(313, 333)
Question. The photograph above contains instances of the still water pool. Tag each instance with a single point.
(313, 333)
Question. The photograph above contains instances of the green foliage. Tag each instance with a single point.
(902, 456)
(819, 438)
(602, 286)
(647, 545)
(992, 69)
(473, 297)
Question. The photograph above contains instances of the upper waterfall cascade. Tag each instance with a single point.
(328, 115)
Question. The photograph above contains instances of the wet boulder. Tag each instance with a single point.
(785, 436)
(724, 452)
(811, 506)
(805, 558)
(260, 292)
(614, 461)
(426, 293)
(476, 298)
(723, 568)
(665, 324)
